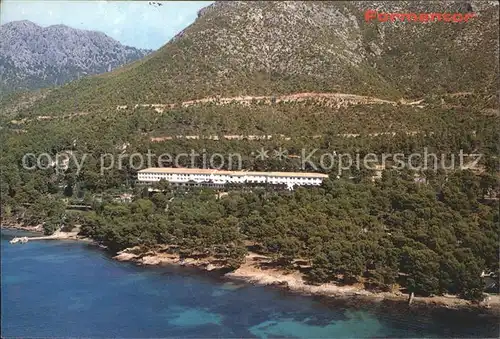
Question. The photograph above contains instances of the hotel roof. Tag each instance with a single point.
(173, 170)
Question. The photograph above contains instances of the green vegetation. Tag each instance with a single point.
(432, 239)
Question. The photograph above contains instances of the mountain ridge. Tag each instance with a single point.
(274, 48)
(33, 57)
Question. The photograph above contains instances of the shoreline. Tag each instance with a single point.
(11, 225)
(38, 230)
(250, 272)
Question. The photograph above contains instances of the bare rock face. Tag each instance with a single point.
(33, 57)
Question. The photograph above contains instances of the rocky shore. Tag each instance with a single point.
(38, 230)
(12, 224)
(251, 271)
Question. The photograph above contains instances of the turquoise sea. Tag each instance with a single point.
(70, 289)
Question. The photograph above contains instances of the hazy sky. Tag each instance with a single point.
(133, 23)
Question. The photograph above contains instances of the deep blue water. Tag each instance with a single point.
(69, 289)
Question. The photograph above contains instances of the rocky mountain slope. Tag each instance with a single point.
(278, 48)
(33, 57)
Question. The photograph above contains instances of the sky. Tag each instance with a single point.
(133, 23)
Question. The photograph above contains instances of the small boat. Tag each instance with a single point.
(21, 240)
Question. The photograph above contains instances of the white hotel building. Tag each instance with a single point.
(211, 177)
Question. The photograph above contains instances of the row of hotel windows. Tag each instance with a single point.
(196, 176)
